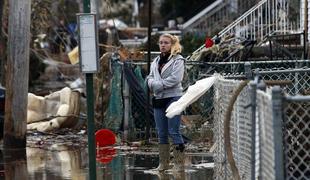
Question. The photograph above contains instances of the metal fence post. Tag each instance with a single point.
(304, 33)
(126, 107)
(277, 103)
(253, 86)
(248, 70)
(260, 86)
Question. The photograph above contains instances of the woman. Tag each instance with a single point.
(164, 81)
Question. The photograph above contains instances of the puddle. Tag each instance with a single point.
(140, 166)
(62, 163)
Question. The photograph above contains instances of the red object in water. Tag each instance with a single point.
(209, 42)
(105, 155)
(105, 137)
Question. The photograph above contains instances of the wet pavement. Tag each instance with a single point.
(60, 162)
(63, 155)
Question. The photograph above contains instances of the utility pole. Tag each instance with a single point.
(3, 17)
(149, 34)
(1, 45)
(93, 6)
(17, 74)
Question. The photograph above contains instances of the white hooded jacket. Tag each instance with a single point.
(168, 82)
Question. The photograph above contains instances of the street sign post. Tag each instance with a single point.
(88, 49)
(88, 53)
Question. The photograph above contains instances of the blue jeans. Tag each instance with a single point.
(168, 127)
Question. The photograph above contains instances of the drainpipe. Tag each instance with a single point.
(306, 20)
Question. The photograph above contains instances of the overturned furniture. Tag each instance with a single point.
(57, 110)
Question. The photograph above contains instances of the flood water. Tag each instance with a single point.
(63, 163)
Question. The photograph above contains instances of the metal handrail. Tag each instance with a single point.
(201, 14)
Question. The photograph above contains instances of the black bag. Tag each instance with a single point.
(160, 103)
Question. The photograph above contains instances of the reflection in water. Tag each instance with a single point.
(105, 154)
(60, 162)
(13, 164)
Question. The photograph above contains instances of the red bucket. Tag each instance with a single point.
(105, 137)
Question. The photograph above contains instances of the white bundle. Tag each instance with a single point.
(193, 93)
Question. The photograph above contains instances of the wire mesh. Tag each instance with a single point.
(296, 134)
(297, 140)
(241, 126)
(223, 91)
(240, 130)
(214, 102)
(233, 69)
(300, 80)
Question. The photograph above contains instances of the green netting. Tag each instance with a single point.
(138, 73)
(138, 115)
(114, 115)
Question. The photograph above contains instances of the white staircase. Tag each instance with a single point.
(216, 16)
(263, 19)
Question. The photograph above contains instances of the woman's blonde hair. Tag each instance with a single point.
(176, 47)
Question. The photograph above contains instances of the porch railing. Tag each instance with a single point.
(265, 18)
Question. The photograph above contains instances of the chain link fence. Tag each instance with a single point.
(198, 70)
(203, 108)
(299, 78)
(296, 136)
(223, 92)
(196, 118)
(264, 145)
(280, 147)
